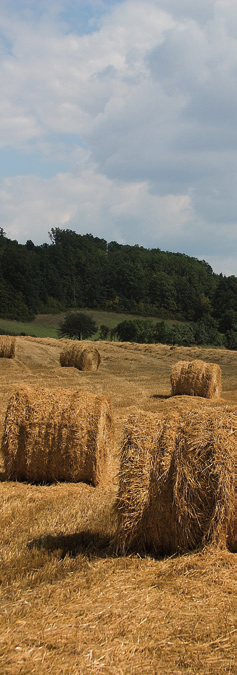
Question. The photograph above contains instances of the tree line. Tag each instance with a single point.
(81, 326)
(75, 271)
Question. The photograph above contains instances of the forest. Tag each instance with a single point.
(74, 271)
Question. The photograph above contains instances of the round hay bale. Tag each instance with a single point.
(176, 482)
(83, 358)
(145, 436)
(57, 436)
(196, 378)
(7, 346)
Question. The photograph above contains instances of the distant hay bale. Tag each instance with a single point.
(196, 378)
(176, 482)
(7, 346)
(57, 436)
(83, 358)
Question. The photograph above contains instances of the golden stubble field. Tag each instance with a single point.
(68, 604)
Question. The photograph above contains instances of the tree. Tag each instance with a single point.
(127, 331)
(30, 245)
(77, 325)
(231, 339)
(163, 333)
(104, 332)
(135, 330)
(206, 331)
(205, 308)
(183, 334)
(228, 321)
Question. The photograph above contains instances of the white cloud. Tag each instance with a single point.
(32, 205)
(199, 10)
(151, 94)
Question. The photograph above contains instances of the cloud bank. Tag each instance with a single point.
(119, 119)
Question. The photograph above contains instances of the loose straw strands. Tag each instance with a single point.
(196, 378)
(82, 358)
(176, 482)
(57, 436)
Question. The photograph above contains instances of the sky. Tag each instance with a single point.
(119, 118)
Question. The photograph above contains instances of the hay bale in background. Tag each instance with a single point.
(176, 482)
(7, 346)
(57, 436)
(83, 358)
(196, 378)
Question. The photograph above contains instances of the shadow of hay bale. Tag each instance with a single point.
(160, 396)
(88, 543)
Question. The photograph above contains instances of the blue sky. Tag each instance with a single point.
(119, 119)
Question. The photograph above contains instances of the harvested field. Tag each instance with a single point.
(68, 604)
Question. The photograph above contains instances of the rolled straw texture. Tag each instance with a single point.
(82, 358)
(196, 378)
(57, 436)
(7, 346)
(176, 482)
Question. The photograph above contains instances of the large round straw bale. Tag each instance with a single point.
(146, 436)
(83, 358)
(7, 346)
(57, 436)
(196, 378)
(176, 482)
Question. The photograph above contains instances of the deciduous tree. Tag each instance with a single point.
(77, 325)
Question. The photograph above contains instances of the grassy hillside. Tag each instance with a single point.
(45, 325)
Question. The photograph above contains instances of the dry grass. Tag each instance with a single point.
(176, 481)
(7, 346)
(84, 358)
(196, 378)
(68, 604)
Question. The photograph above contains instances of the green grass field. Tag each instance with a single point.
(35, 328)
(46, 325)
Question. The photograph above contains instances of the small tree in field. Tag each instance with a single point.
(104, 332)
(135, 330)
(77, 325)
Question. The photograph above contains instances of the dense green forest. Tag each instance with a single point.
(83, 271)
